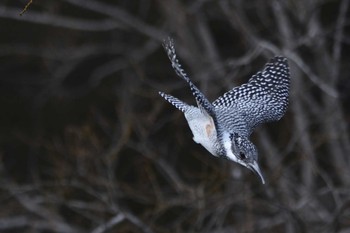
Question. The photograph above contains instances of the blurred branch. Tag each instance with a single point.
(100, 151)
(14, 222)
(52, 220)
(329, 90)
(121, 15)
(338, 38)
(110, 224)
(26, 7)
(52, 20)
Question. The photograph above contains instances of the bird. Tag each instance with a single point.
(223, 127)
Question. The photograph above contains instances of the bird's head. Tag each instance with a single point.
(241, 150)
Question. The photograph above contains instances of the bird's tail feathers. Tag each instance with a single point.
(202, 101)
(183, 107)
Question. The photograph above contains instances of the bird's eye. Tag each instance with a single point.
(242, 155)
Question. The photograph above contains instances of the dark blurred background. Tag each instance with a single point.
(88, 145)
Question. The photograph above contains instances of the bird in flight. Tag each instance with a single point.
(223, 127)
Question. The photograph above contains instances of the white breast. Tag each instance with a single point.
(203, 128)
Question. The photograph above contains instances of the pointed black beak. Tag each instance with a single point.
(255, 168)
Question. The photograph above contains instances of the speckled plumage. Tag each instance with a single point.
(224, 126)
(264, 98)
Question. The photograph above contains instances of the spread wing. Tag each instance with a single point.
(264, 98)
(203, 103)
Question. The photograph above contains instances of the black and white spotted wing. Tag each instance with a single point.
(264, 98)
(203, 103)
